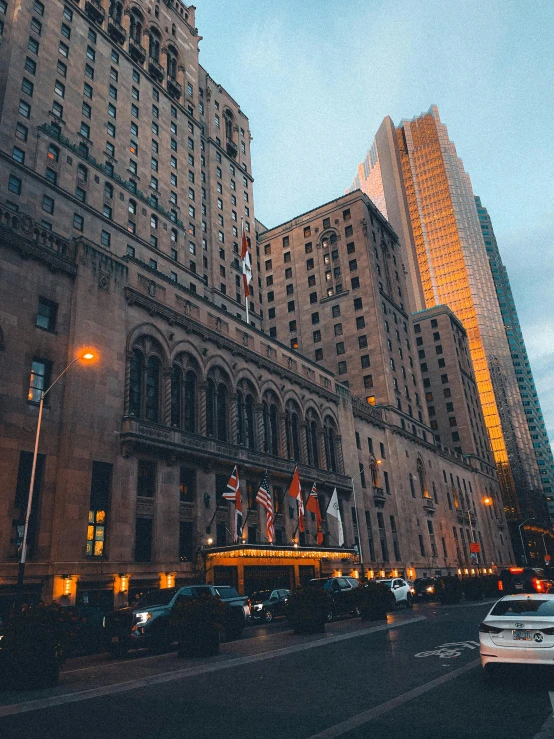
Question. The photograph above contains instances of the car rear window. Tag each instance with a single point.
(527, 607)
(228, 592)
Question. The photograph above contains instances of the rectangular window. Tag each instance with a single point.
(40, 379)
(46, 314)
(143, 540)
(47, 204)
(18, 154)
(24, 109)
(100, 487)
(14, 185)
(22, 496)
(78, 222)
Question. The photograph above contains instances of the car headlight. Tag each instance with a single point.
(257, 607)
(143, 617)
(430, 589)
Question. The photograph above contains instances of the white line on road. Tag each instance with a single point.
(58, 700)
(363, 718)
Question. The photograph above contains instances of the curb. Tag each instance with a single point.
(547, 729)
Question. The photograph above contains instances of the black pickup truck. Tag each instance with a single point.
(147, 622)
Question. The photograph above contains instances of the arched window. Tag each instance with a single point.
(240, 418)
(190, 402)
(313, 443)
(53, 153)
(154, 45)
(249, 423)
(176, 396)
(295, 436)
(116, 10)
(228, 125)
(421, 478)
(274, 428)
(135, 384)
(172, 62)
(210, 408)
(331, 449)
(135, 26)
(152, 400)
(173, 29)
(82, 173)
(222, 412)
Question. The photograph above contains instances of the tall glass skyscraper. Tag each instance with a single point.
(418, 181)
(520, 360)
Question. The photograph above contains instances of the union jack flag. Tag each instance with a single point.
(265, 499)
(232, 493)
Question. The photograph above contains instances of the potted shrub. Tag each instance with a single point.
(198, 623)
(448, 589)
(375, 600)
(33, 648)
(307, 610)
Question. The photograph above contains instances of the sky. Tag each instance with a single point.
(316, 78)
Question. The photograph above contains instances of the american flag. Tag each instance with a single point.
(232, 493)
(264, 498)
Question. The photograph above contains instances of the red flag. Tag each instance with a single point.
(295, 491)
(313, 506)
(232, 493)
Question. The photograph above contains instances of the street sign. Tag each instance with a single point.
(474, 547)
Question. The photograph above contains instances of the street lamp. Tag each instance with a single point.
(486, 501)
(521, 537)
(85, 356)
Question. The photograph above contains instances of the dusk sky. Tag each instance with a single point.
(316, 79)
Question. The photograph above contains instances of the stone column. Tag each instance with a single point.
(128, 357)
(166, 397)
(259, 426)
(202, 426)
(321, 450)
(282, 435)
(340, 457)
(304, 442)
(234, 418)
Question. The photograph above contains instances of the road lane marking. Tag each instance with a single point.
(444, 652)
(363, 718)
(145, 682)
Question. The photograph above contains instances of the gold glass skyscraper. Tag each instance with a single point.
(420, 184)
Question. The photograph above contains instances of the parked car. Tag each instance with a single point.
(524, 580)
(342, 593)
(228, 594)
(268, 604)
(519, 629)
(147, 622)
(425, 588)
(400, 589)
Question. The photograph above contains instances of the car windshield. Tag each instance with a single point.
(260, 596)
(156, 598)
(386, 582)
(525, 608)
(227, 592)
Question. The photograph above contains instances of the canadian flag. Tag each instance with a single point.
(313, 506)
(246, 264)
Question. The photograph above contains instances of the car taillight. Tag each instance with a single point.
(485, 628)
(500, 585)
(248, 602)
(538, 585)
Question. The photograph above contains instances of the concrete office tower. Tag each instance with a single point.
(522, 368)
(430, 204)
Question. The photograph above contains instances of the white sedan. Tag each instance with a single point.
(519, 629)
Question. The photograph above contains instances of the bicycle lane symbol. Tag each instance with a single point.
(450, 650)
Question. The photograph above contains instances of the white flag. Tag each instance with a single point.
(334, 510)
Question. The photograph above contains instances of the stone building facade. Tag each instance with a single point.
(125, 182)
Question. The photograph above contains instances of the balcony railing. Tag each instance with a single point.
(232, 149)
(429, 505)
(174, 88)
(95, 11)
(116, 31)
(155, 69)
(137, 51)
(379, 497)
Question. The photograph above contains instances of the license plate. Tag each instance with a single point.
(519, 586)
(521, 635)
(115, 640)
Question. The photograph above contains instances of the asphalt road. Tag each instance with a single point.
(360, 680)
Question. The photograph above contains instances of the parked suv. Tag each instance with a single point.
(400, 589)
(342, 593)
(268, 604)
(524, 580)
(425, 588)
(147, 622)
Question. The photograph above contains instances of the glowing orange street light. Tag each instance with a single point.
(487, 501)
(85, 355)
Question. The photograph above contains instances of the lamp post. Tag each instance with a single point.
(486, 501)
(86, 356)
(360, 548)
(521, 525)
